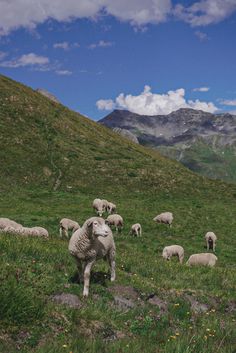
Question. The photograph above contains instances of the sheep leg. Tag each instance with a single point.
(112, 263)
(87, 271)
(80, 267)
(60, 230)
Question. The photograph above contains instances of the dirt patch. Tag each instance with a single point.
(161, 304)
(94, 328)
(68, 299)
(127, 292)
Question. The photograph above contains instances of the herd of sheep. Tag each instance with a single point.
(94, 240)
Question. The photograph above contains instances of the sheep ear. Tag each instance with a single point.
(89, 224)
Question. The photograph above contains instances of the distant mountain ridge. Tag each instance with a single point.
(204, 142)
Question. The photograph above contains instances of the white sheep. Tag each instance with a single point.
(136, 229)
(165, 217)
(210, 238)
(173, 250)
(27, 231)
(6, 222)
(206, 259)
(98, 206)
(115, 220)
(111, 208)
(92, 242)
(67, 224)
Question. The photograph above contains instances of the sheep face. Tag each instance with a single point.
(165, 255)
(98, 227)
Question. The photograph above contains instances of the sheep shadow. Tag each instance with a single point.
(97, 277)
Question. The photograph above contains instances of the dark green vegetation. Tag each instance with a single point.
(54, 162)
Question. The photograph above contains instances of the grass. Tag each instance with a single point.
(95, 162)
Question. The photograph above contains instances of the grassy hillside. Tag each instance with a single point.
(54, 162)
(218, 162)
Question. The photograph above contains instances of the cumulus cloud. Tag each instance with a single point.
(201, 89)
(29, 13)
(205, 12)
(148, 103)
(30, 59)
(229, 102)
(100, 44)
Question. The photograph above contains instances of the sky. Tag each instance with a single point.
(147, 56)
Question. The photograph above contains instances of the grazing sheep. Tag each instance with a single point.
(211, 238)
(98, 207)
(173, 250)
(116, 221)
(92, 242)
(26, 231)
(105, 205)
(206, 259)
(136, 230)
(67, 224)
(111, 208)
(6, 222)
(165, 217)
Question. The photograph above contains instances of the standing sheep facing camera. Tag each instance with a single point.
(206, 259)
(115, 220)
(67, 224)
(136, 229)
(210, 238)
(98, 206)
(165, 217)
(173, 250)
(92, 242)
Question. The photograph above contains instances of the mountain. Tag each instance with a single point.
(204, 142)
(54, 162)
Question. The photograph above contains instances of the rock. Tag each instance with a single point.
(127, 292)
(123, 303)
(196, 306)
(68, 299)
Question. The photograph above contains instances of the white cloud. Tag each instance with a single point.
(62, 45)
(30, 59)
(205, 12)
(100, 44)
(105, 104)
(201, 89)
(29, 13)
(65, 45)
(202, 36)
(229, 102)
(63, 72)
(148, 103)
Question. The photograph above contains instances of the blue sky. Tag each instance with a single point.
(149, 56)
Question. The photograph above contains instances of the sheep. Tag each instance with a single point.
(26, 231)
(173, 250)
(116, 221)
(6, 222)
(211, 238)
(136, 229)
(111, 208)
(206, 259)
(92, 242)
(105, 205)
(165, 217)
(98, 206)
(67, 224)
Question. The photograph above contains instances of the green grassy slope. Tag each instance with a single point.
(42, 138)
(216, 162)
